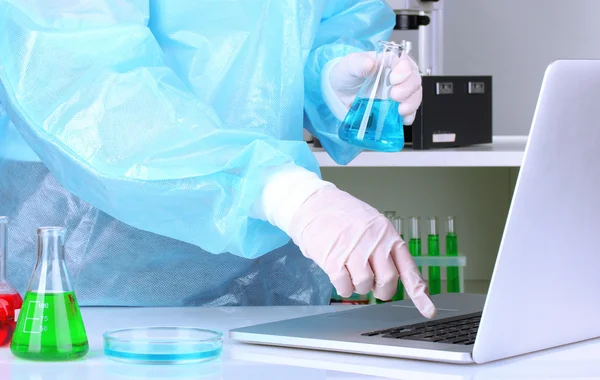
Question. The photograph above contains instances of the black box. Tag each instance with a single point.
(456, 111)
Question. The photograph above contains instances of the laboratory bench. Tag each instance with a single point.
(243, 361)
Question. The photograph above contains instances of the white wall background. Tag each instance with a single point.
(514, 41)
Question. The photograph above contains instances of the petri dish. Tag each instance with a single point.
(163, 345)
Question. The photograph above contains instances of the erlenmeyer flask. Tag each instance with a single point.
(10, 299)
(50, 326)
(373, 121)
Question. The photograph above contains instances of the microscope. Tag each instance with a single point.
(456, 110)
(426, 17)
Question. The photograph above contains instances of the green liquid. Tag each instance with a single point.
(50, 328)
(414, 247)
(453, 285)
(374, 300)
(433, 249)
(399, 296)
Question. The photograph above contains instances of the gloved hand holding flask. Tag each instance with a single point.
(343, 77)
(375, 94)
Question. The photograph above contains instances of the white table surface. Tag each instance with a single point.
(242, 361)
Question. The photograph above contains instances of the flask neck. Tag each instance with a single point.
(50, 273)
(3, 247)
(377, 85)
(51, 247)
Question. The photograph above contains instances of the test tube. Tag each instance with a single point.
(452, 273)
(414, 242)
(433, 249)
(399, 226)
(398, 223)
(389, 214)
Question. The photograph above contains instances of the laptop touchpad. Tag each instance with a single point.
(391, 313)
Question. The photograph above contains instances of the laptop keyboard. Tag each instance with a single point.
(454, 330)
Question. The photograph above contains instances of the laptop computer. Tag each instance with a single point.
(546, 281)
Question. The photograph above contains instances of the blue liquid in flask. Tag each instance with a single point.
(385, 128)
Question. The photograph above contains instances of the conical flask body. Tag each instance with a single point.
(50, 326)
(373, 121)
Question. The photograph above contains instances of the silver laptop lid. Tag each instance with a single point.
(546, 282)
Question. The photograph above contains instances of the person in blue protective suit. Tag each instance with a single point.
(166, 136)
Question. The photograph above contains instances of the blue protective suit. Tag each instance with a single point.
(146, 127)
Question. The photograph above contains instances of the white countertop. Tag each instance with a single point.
(241, 361)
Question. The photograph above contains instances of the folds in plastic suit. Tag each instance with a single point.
(154, 123)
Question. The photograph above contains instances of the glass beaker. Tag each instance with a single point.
(50, 326)
(10, 299)
(373, 121)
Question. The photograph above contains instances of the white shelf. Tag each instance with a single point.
(505, 151)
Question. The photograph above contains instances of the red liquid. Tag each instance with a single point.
(14, 301)
(7, 329)
(8, 304)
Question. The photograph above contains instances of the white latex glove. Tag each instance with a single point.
(343, 77)
(357, 247)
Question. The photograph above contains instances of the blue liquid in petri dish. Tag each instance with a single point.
(384, 117)
(167, 355)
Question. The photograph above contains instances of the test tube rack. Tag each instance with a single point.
(444, 262)
(424, 261)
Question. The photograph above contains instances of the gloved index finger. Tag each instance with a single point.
(415, 285)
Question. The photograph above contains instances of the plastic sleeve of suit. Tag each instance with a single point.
(3, 125)
(362, 23)
(87, 87)
(3, 118)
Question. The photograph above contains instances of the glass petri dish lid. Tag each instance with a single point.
(163, 345)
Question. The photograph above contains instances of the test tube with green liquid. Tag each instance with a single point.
(399, 226)
(433, 249)
(452, 273)
(397, 222)
(414, 242)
